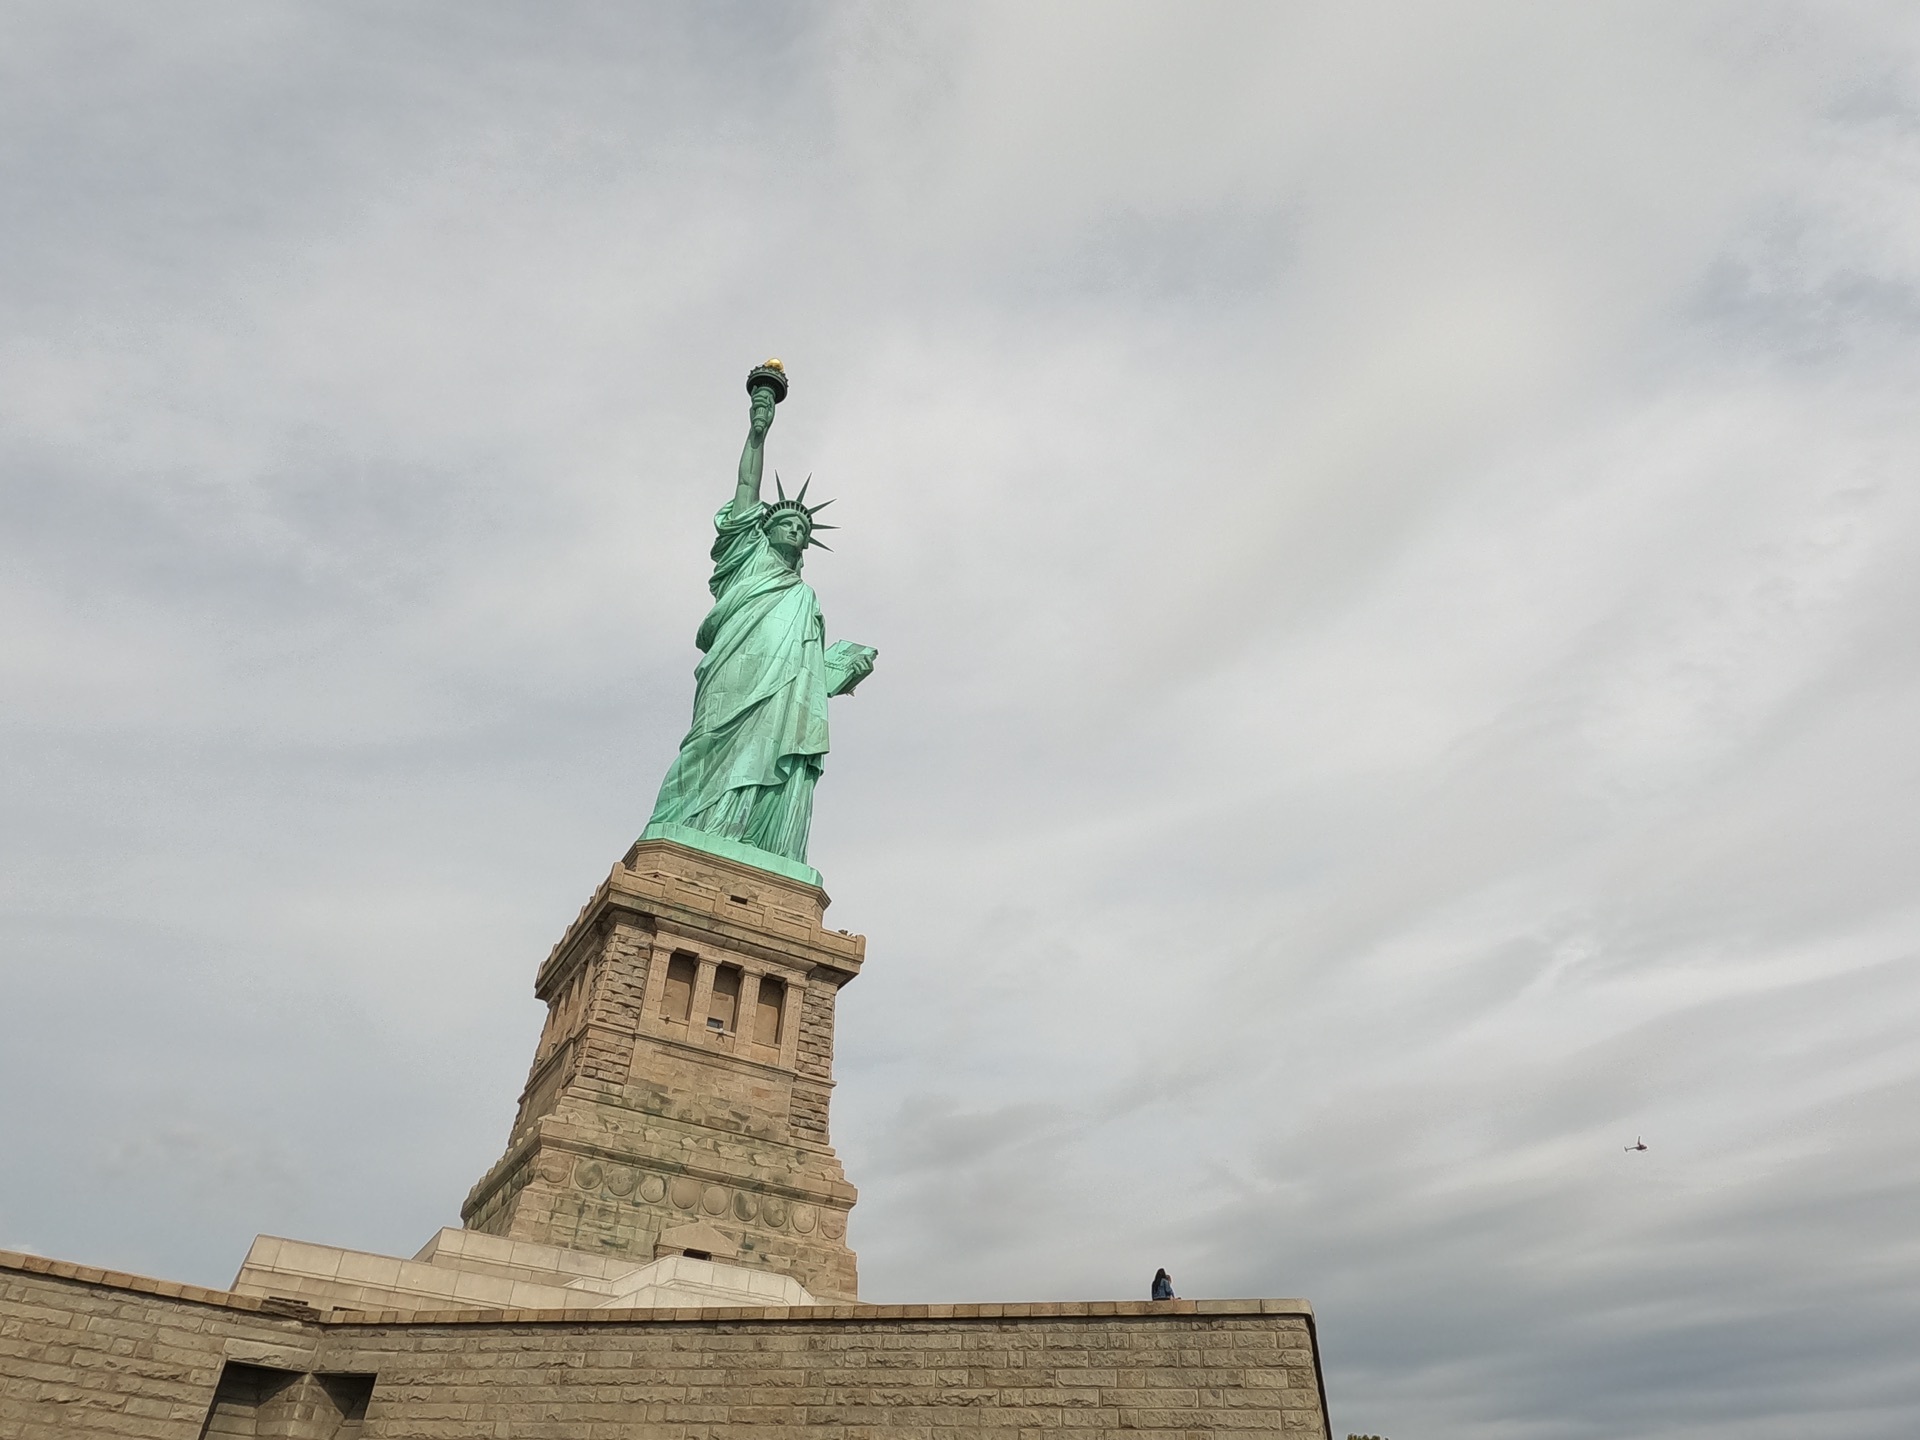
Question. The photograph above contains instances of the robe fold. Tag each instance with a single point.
(747, 768)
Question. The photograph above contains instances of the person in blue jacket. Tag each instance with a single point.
(1163, 1286)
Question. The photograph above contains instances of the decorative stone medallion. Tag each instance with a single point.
(684, 1192)
(714, 1200)
(803, 1219)
(652, 1188)
(619, 1181)
(588, 1174)
(744, 1207)
(773, 1210)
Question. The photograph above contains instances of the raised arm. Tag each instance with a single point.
(753, 458)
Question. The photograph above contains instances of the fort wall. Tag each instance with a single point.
(85, 1352)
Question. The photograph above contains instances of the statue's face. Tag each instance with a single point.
(787, 532)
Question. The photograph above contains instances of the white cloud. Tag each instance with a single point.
(1388, 532)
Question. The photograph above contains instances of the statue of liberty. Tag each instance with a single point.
(742, 784)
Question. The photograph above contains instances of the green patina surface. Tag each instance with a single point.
(742, 784)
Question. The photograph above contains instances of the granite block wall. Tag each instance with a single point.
(85, 1352)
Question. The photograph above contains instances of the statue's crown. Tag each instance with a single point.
(799, 503)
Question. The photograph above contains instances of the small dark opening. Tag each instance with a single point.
(350, 1394)
(254, 1401)
(241, 1394)
(698, 1254)
(739, 899)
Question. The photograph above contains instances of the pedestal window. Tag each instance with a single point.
(676, 1000)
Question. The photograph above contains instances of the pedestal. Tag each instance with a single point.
(678, 1100)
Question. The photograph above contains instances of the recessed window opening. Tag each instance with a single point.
(676, 1001)
(349, 1395)
(770, 1010)
(698, 1254)
(726, 998)
(739, 899)
(253, 1401)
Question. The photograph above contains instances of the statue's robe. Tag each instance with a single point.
(747, 768)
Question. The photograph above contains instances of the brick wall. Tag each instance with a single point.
(85, 1353)
(815, 1059)
(807, 1114)
(620, 998)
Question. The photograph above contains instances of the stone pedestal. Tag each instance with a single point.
(677, 1103)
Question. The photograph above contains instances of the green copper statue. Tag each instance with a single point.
(742, 784)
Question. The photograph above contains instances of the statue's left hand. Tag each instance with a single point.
(847, 665)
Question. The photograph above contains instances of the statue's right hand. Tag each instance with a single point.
(762, 418)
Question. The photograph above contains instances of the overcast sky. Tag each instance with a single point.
(1391, 534)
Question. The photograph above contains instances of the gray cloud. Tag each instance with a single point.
(1390, 538)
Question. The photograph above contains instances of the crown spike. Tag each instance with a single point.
(796, 504)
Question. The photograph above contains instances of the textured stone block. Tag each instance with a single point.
(859, 1372)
